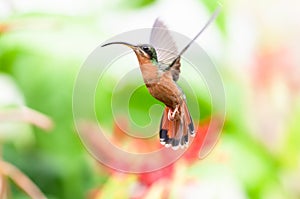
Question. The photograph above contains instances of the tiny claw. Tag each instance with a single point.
(171, 114)
(174, 112)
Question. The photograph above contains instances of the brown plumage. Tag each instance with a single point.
(160, 67)
(176, 123)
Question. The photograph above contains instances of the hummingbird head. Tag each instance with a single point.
(144, 52)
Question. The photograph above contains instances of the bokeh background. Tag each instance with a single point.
(255, 46)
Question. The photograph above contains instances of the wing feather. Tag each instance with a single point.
(165, 46)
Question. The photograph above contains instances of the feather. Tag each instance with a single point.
(163, 42)
(164, 127)
(166, 48)
(176, 132)
(188, 118)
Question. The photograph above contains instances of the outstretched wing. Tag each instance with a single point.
(163, 42)
(165, 46)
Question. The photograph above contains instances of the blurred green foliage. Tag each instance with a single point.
(136, 3)
(57, 161)
(43, 54)
(44, 65)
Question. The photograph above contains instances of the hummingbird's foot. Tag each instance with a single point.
(171, 114)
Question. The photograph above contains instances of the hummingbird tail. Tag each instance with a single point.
(176, 132)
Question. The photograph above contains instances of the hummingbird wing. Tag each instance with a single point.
(166, 48)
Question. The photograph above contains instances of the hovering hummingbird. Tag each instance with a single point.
(160, 66)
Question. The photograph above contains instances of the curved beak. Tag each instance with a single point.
(119, 42)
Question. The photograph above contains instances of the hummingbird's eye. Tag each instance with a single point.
(146, 48)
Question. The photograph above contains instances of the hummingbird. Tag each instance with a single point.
(159, 62)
